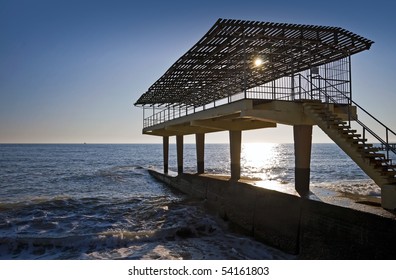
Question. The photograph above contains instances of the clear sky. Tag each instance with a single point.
(71, 70)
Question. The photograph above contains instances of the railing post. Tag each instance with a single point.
(387, 143)
(273, 90)
(349, 115)
(292, 86)
(153, 114)
(299, 81)
(244, 66)
(144, 118)
(319, 88)
(350, 79)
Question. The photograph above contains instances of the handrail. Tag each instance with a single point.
(365, 127)
(306, 91)
(360, 107)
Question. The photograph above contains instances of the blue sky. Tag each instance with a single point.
(70, 71)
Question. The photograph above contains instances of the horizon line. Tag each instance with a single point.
(137, 143)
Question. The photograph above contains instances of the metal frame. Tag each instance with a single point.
(220, 67)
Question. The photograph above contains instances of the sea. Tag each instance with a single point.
(98, 201)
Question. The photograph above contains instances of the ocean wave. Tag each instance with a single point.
(203, 240)
(357, 187)
(79, 246)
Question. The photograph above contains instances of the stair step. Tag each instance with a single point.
(388, 167)
(359, 140)
(378, 162)
(363, 145)
(385, 170)
(349, 131)
(368, 149)
(338, 120)
(376, 155)
(342, 125)
(351, 136)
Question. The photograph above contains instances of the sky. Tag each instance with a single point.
(70, 71)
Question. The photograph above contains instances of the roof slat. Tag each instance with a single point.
(213, 67)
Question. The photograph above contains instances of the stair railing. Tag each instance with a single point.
(384, 142)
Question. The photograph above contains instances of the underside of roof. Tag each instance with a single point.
(222, 63)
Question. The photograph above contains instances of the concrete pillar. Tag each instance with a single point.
(388, 197)
(200, 147)
(179, 147)
(235, 153)
(165, 148)
(302, 153)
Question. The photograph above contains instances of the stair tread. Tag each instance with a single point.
(361, 150)
(363, 145)
(352, 135)
(359, 140)
(374, 155)
(381, 160)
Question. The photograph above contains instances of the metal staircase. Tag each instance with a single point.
(369, 157)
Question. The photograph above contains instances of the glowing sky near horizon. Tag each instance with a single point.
(70, 71)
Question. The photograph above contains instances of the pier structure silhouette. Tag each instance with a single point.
(244, 75)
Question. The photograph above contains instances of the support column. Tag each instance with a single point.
(235, 153)
(388, 197)
(165, 148)
(200, 147)
(302, 153)
(179, 146)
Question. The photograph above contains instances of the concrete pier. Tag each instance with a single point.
(216, 87)
(323, 225)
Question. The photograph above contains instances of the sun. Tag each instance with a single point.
(258, 62)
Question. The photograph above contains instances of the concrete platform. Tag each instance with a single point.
(323, 225)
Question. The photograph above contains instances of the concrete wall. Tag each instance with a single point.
(307, 228)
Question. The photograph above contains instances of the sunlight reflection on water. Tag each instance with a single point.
(266, 161)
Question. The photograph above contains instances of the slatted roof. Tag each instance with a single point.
(222, 62)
